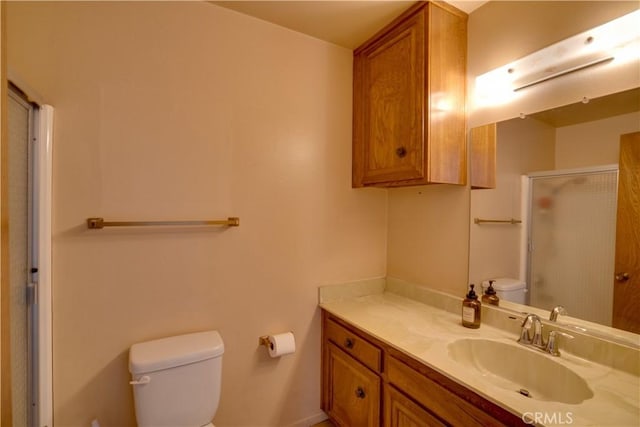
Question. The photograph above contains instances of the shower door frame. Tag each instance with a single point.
(43, 179)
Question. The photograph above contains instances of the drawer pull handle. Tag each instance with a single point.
(349, 343)
(360, 394)
(401, 152)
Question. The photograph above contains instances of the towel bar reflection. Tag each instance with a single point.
(99, 223)
(497, 221)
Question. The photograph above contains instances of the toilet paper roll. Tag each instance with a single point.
(281, 344)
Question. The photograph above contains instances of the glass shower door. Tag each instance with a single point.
(572, 242)
(19, 118)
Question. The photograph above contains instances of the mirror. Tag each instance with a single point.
(556, 171)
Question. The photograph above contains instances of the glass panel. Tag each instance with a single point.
(18, 125)
(572, 241)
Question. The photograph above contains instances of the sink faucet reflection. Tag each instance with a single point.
(553, 316)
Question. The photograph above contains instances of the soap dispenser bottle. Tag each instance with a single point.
(489, 296)
(471, 309)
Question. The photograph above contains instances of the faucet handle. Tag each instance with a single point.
(537, 340)
(524, 336)
(552, 344)
(527, 323)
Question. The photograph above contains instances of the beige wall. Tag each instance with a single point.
(429, 235)
(184, 111)
(594, 143)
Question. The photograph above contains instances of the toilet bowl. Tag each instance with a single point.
(176, 380)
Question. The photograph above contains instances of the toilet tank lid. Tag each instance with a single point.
(175, 351)
(505, 284)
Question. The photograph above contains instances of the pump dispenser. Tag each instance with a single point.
(490, 296)
(471, 309)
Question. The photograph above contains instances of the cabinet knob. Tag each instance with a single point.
(622, 277)
(360, 394)
(401, 152)
(349, 343)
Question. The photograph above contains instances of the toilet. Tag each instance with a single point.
(508, 289)
(176, 380)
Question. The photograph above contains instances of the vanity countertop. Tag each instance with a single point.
(423, 332)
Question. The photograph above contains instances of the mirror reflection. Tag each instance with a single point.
(545, 224)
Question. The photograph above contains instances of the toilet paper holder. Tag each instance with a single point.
(264, 340)
(278, 345)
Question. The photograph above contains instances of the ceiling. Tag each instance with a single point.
(594, 109)
(345, 23)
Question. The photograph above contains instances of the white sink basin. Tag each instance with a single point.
(525, 371)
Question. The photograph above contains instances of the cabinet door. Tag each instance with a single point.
(353, 390)
(389, 104)
(400, 411)
(440, 401)
(483, 156)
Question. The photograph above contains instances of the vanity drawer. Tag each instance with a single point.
(355, 345)
(434, 397)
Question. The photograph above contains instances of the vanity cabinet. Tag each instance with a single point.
(409, 100)
(351, 379)
(366, 382)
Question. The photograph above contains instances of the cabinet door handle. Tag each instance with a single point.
(349, 343)
(401, 152)
(360, 394)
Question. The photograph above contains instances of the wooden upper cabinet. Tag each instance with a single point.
(483, 156)
(409, 99)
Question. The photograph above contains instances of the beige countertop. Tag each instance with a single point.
(424, 332)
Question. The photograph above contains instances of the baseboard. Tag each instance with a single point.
(309, 421)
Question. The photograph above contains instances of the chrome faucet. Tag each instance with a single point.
(531, 321)
(553, 316)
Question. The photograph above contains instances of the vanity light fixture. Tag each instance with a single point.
(617, 41)
(558, 71)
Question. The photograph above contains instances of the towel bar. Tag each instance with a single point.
(99, 223)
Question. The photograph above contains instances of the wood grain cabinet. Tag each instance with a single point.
(400, 411)
(351, 377)
(483, 156)
(353, 390)
(409, 100)
(367, 383)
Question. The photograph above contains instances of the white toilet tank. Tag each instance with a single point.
(176, 380)
(508, 289)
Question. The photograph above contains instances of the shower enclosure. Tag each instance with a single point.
(571, 240)
(29, 176)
